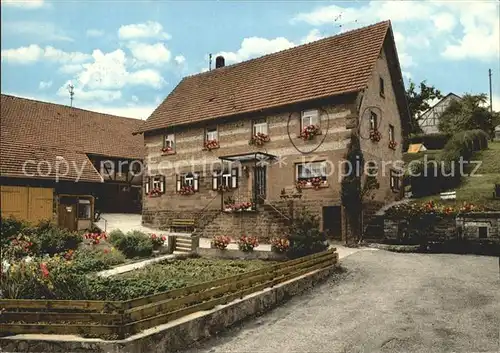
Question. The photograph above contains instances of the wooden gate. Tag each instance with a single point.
(27, 203)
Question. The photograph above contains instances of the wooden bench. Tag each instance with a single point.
(451, 195)
(182, 224)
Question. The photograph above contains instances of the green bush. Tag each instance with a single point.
(133, 244)
(305, 236)
(51, 239)
(93, 260)
(431, 141)
(10, 227)
(115, 235)
(464, 144)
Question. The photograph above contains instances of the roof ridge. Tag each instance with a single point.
(68, 107)
(339, 35)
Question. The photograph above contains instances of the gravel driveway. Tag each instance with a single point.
(383, 302)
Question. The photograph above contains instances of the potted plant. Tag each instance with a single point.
(309, 132)
(157, 241)
(220, 242)
(247, 244)
(167, 150)
(280, 245)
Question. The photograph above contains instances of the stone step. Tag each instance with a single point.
(183, 248)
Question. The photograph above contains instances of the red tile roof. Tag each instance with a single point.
(328, 67)
(42, 131)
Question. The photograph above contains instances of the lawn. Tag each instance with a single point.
(431, 155)
(478, 188)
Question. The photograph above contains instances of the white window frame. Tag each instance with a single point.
(394, 180)
(260, 128)
(373, 121)
(157, 182)
(227, 178)
(391, 133)
(188, 180)
(211, 134)
(311, 116)
(169, 141)
(311, 166)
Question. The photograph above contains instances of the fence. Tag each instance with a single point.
(119, 319)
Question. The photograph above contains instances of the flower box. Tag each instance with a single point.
(259, 139)
(239, 207)
(167, 150)
(186, 190)
(211, 144)
(375, 135)
(393, 145)
(223, 188)
(155, 193)
(309, 132)
(311, 183)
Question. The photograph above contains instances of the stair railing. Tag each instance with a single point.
(274, 208)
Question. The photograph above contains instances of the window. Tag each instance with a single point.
(309, 117)
(187, 180)
(394, 181)
(169, 143)
(226, 178)
(84, 209)
(373, 121)
(211, 134)
(482, 232)
(306, 171)
(155, 184)
(391, 133)
(259, 127)
(381, 87)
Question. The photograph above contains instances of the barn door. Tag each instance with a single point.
(67, 216)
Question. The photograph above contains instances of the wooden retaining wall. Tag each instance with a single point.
(119, 319)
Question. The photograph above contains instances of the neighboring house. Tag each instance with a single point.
(51, 157)
(416, 148)
(349, 82)
(497, 133)
(429, 120)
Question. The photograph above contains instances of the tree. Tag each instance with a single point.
(469, 113)
(418, 102)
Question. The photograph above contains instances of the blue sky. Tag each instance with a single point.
(124, 57)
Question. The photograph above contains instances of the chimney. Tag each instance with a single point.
(219, 62)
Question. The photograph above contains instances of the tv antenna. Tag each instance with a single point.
(71, 90)
(210, 62)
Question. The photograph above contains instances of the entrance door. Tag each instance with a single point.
(332, 222)
(260, 183)
(67, 216)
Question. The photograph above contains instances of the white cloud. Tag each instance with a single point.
(92, 32)
(81, 94)
(34, 53)
(135, 99)
(24, 4)
(180, 59)
(312, 36)
(256, 46)
(109, 72)
(45, 84)
(156, 54)
(457, 29)
(39, 30)
(70, 69)
(149, 29)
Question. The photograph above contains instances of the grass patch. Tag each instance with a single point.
(431, 155)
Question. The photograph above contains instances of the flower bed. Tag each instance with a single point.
(247, 244)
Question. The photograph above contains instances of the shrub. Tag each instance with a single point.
(247, 244)
(115, 235)
(305, 236)
(18, 247)
(52, 240)
(10, 227)
(221, 242)
(464, 144)
(280, 245)
(96, 259)
(133, 244)
(431, 141)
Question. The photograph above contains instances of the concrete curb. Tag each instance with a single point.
(178, 334)
(237, 254)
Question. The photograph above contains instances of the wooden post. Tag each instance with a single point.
(170, 244)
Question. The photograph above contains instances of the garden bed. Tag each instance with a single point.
(241, 255)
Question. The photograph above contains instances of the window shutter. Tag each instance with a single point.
(146, 185)
(215, 181)
(195, 182)
(234, 178)
(162, 184)
(178, 182)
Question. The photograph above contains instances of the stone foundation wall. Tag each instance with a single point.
(469, 225)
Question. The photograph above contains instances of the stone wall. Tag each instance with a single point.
(469, 225)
